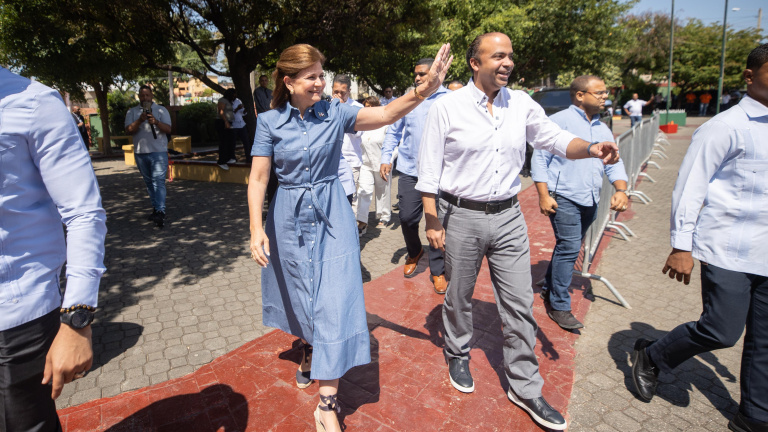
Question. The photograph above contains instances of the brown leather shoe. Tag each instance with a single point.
(440, 283)
(411, 263)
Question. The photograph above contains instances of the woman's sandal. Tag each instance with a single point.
(302, 374)
(330, 404)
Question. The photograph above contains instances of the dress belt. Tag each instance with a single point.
(489, 207)
(315, 202)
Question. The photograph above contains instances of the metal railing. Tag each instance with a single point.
(636, 147)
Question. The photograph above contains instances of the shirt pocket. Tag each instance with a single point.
(9, 167)
(753, 174)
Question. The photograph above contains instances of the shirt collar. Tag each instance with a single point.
(753, 108)
(583, 115)
(478, 95)
(319, 110)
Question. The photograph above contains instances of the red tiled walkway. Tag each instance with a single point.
(404, 388)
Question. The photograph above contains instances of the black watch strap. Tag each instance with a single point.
(77, 318)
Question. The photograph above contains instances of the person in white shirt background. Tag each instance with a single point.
(634, 108)
(719, 211)
(351, 149)
(370, 182)
(239, 129)
(472, 150)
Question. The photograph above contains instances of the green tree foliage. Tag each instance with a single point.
(44, 39)
(197, 120)
(548, 36)
(119, 102)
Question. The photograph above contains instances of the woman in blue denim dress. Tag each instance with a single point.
(309, 249)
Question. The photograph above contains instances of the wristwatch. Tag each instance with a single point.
(78, 318)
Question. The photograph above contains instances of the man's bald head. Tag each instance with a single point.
(473, 52)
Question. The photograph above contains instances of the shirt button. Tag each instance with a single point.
(313, 224)
(310, 260)
(305, 149)
(310, 206)
(306, 169)
(305, 133)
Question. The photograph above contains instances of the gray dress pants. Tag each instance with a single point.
(502, 238)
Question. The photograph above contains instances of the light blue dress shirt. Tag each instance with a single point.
(720, 201)
(409, 129)
(46, 179)
(577, 180)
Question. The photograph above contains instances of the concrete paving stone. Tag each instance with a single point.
(175, 351)
(110, 378)
(180, 371)
(171, 332)
(84, 395)
(200, 357)
(111, 390)
(158, 378)
(193, 338)
(621, 421)
(134, 372)
(178, 362)
(157, 366)
(215, 343)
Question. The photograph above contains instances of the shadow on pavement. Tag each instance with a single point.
(675, 388)
(212, 409)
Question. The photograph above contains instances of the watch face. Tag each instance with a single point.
(80, 319)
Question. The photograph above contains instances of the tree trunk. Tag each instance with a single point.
(101, 90)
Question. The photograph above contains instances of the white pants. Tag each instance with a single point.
(371, 181)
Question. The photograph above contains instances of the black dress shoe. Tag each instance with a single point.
(151, 216)
(565, 319)
(159, 219)
(645, 374)
(458, 373)
(741, 424)
(541, 412)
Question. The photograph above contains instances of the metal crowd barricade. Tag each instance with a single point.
(636, 147)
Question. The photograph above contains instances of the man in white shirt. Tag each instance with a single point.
(634, 108)
(472, 150)
(351, 149)
(725, 101)
(149, 127)
(239, 129)
(719, 209)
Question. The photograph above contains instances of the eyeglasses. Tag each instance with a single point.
(599, 94)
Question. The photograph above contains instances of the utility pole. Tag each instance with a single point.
(722, 61)
(671, 49)
(759, 18)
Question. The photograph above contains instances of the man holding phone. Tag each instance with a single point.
(149, 123)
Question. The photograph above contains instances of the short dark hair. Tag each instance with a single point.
(474, 48)
(145, 87)
(425, 62)
(229, 94)
(342, 79)
(387, 87)
(262, 76)
(580, 83)
(757, 57)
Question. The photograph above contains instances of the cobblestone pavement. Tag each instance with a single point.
(174, 299)
(704, 392)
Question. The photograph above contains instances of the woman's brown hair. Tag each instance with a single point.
(372, 101)
(293, 60)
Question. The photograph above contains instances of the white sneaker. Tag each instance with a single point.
(225, 167)
(232, 161)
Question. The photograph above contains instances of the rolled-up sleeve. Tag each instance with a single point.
(540, 166)
(70, 181)
(709, 147)
(432, 150)
(616, 172)
(542, 133)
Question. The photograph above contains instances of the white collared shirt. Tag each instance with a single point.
(472, 154)
(352, 148)
(726, 171)
(239, 122)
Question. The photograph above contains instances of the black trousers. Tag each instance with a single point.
(226, 142)
(25, 404)
(732, 300)
(411, 210)
(242, 135)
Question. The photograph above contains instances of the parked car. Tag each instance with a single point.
(556, 100)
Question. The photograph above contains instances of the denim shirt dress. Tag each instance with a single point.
(312, 287)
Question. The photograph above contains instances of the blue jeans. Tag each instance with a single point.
(731, 301)
(635, 119)
(569, 223)
(703, 109)
(154, 167)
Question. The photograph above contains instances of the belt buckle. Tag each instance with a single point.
(491, 208)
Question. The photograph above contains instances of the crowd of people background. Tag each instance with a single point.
(309, 247)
